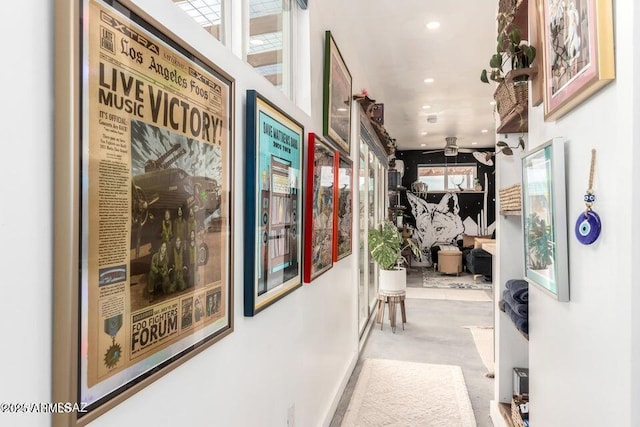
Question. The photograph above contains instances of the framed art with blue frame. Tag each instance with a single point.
(337, 96)
(143, 265)
(319, 207)
(544, 217)
(273, 204)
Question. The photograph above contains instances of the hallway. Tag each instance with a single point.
(436, 332)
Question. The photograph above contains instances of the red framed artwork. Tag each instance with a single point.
(319, 208)
(343, 202)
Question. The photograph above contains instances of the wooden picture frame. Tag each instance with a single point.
(132, 297)
(343, 224)
(319, 207)
(273, 204)
(544, 219)
(578, 49)
(337, 96)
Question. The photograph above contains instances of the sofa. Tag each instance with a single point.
(478, 262)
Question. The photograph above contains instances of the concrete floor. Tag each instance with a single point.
(434, 333)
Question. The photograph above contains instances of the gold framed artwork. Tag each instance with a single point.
(143, 258)
(578, 50)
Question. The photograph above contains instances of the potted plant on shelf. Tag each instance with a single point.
(386, 245)
(512, 90)
(540, 245)
(510, 48)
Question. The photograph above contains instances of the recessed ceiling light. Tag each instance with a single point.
(424, 133)
(426, 107)
(428, 80)
(341, 109)
(433, 25)
(492, 103)
(484, 131)
(256, 42)
(423, 145)
(474, 143)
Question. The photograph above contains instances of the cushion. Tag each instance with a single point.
(469, 241)
(479, 241)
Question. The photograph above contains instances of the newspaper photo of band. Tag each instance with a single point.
(156, 220)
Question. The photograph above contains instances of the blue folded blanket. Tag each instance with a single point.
(522, 323)
(519, 308)
(519, 290)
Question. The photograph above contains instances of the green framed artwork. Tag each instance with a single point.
(337, 96)
(544, 219)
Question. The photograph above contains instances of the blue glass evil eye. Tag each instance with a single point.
(588, 228)
(589, 198)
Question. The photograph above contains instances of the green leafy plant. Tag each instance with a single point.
(510, 48)
(540, 253)
(504, 148)
(386, 245)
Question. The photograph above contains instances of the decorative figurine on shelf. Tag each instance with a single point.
(476, 184)
(588, 224)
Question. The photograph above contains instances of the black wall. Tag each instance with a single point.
(470, 203)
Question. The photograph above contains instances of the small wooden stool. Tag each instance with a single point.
(392, 298)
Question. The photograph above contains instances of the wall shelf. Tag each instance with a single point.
(517, 121)
(511, 213)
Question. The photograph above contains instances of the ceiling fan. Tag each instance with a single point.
(451, 149)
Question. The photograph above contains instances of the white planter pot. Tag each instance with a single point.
(393, 280)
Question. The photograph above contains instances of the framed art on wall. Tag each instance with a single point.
(544, 219)
(578, 51)
(343, 208)
(273, 204)
(143, 265)
(337, 96)
(319, 208)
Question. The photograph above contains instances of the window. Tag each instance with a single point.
(448, 177)
(270, 41)
(207, 13)
(268, 33)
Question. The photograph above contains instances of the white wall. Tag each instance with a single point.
(299, 351)
(26, 223)
(580, 351)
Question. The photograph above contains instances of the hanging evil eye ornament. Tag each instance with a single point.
(588, 225)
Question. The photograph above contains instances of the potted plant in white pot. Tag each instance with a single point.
(386, 245)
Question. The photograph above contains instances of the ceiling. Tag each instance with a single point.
(402, 52)
(392, 39)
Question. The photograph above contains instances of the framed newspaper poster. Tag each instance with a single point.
(273, 204)
(143, 265)
(319, 207)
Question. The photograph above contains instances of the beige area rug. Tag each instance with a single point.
(483, 339)
(448, 294)
(397, 393)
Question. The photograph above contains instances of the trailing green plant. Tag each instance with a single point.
(540, 253)
(510, 48)
(504, 148)
(386, 245)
